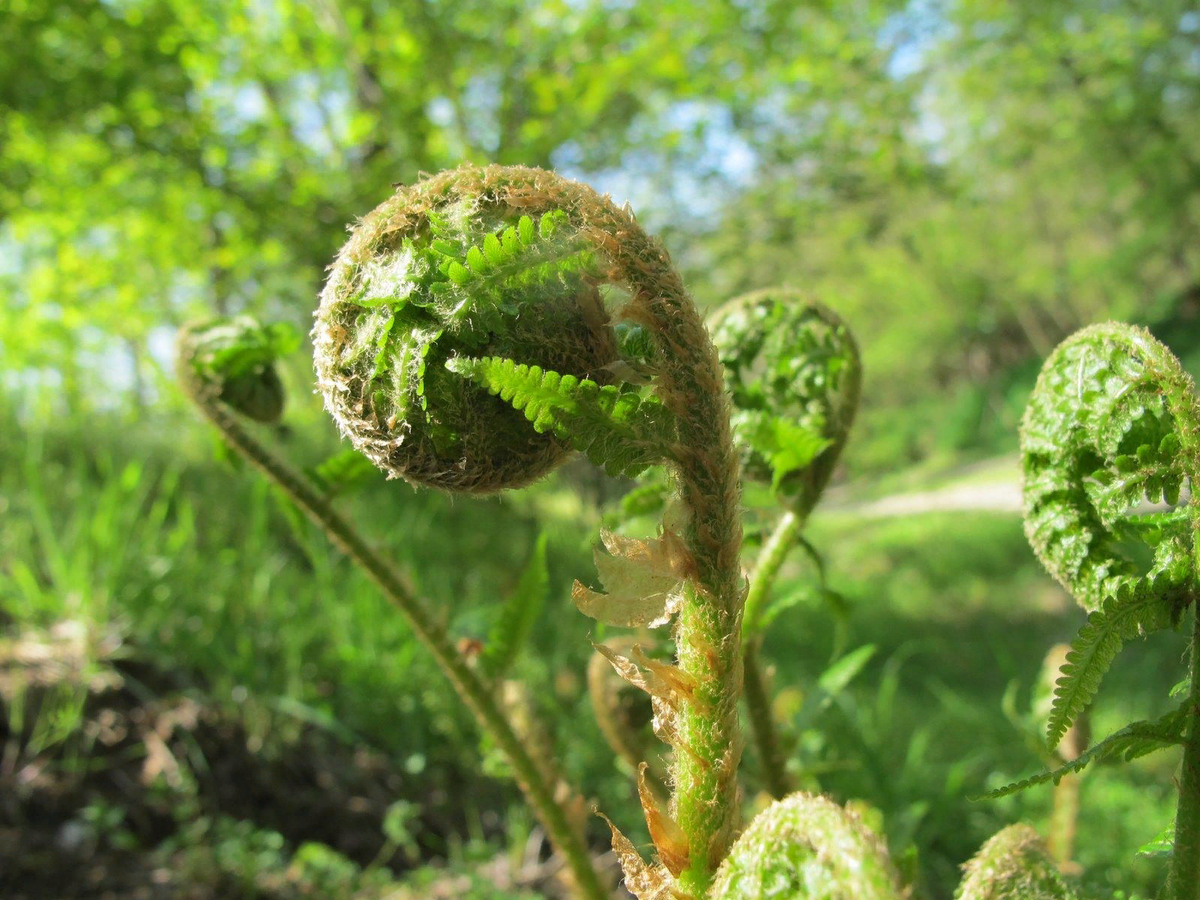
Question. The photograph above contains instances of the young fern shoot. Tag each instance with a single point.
(226, 368)
(1113, 422)
(463, 343)
(794, 373)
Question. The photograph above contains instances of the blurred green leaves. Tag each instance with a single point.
(514, 623)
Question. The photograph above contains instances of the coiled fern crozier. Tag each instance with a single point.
(462, 343)
(483, 323)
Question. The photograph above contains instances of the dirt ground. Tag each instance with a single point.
(151, 793)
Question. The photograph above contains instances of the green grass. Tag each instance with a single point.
(203, 570)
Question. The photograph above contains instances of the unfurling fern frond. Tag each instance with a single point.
(343, 472)
(792, 368)
(618, 428)
(806, 846)
(1135, 611)
(1013, 865)
(1111, 425)
(458, 266)
(1132, 741)
(233, 359)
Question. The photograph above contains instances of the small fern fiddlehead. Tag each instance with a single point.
(1111, 422)
(794, 372)
(1013, 865)
(233, 361)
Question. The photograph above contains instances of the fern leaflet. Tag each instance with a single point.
(1135, 610)
(616, 427)
(521, 609)
(1132, 741)
(344, 471)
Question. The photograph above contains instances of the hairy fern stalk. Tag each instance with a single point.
(793, 370)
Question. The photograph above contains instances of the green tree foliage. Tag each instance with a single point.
(977, 181)
(163, 158)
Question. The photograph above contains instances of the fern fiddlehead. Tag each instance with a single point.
(793, 370)
(439, 272)
(233, 361)
(806, 846)
(463, 342)
(1113, 421)
(1013, 865)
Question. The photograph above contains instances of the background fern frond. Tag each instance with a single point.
(647, 499)
(793, 370)
(235, 358)
(1130, 742)
(618, 428)
(517, 616)
(343, 472)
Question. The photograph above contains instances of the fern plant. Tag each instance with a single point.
(483, 323)
(1108, 443)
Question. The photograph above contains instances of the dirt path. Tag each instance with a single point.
(998, 497)
(989, 486)
(993, 485)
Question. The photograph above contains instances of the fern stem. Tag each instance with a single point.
(690, 382)
(762, 724)
(766, 569)
(1184, 883)
(758, 701)
(537, 786)
(1064, 821)
(707, 799)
